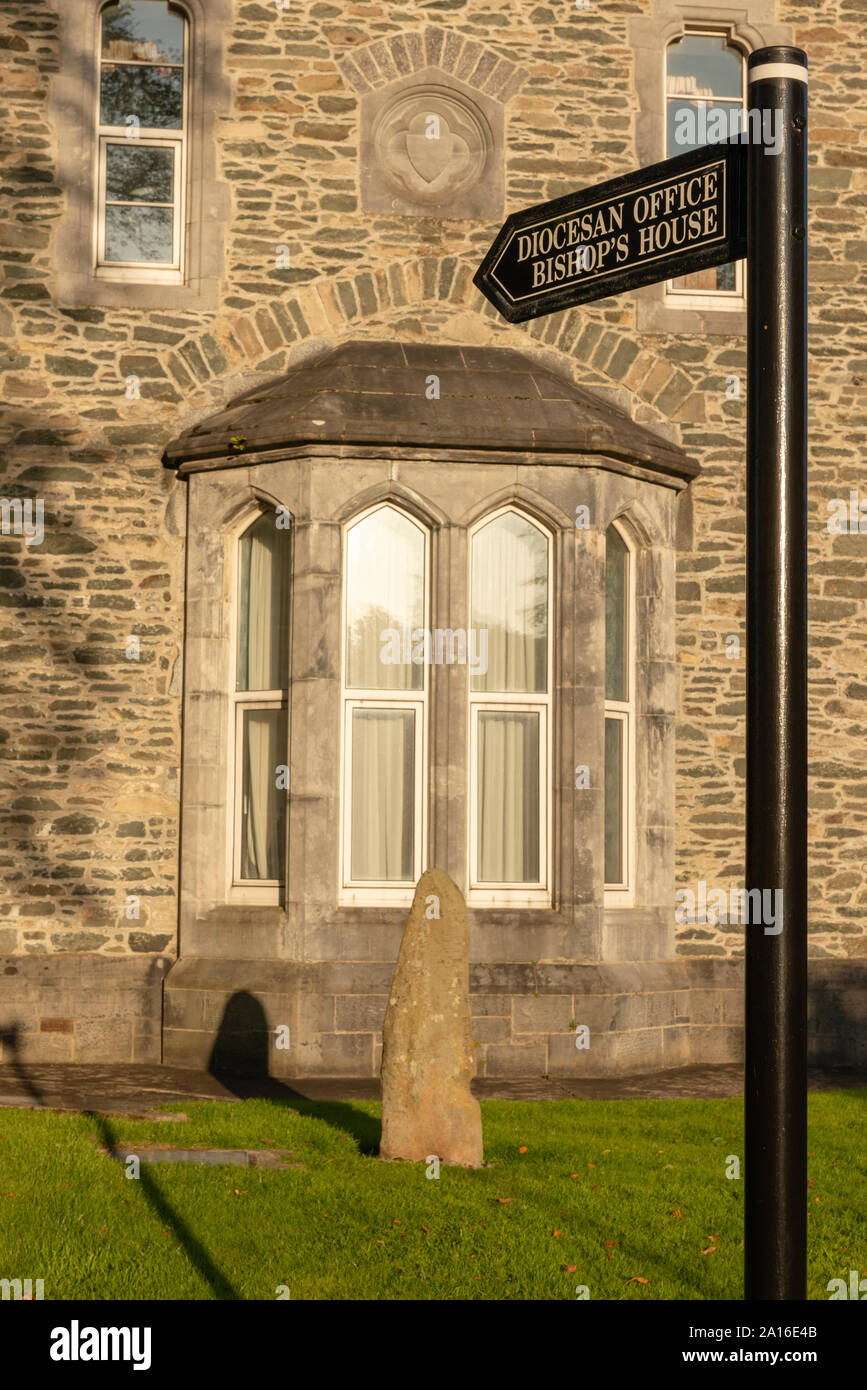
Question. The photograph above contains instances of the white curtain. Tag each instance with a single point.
(383, 794)
(510, 600)
(263, 631)
(384, 594)
(263, 804)
(508, 797)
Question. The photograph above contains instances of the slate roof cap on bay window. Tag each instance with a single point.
(370, 393)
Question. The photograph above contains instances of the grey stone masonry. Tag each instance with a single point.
(641, 1017)
(81, 1008)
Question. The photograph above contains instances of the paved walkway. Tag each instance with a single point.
(126, 1090)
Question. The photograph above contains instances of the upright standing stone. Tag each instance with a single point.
(427, 1046)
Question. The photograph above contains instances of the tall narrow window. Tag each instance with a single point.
(260, 703)
(705, 96)
(385, 689)
(142, 130)
(510, 711)
(619, 711)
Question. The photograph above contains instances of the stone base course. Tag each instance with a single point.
(81, 1008)
(643, 1016)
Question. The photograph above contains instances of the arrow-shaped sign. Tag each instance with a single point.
(670, 219)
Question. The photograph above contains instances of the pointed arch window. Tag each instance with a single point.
(619, 714)
(510, 712)
(142, 130)
(260, 704)
(385, 687)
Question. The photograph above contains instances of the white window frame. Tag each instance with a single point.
(623, 894)
(721, 300)
(258, 891)
(385, 893)
(509, 895)
(143, 272)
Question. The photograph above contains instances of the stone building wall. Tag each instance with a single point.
(90, 735)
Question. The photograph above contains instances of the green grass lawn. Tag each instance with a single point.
(621, 1190)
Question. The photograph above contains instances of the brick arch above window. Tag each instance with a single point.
(374, 65)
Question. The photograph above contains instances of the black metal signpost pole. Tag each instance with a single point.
(776, 816)
(707, 207)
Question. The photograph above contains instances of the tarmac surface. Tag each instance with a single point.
(132, 1090)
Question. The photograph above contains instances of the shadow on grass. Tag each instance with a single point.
(220, 1286)
(198, 1256)
(240, 1061)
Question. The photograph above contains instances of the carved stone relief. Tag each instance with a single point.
(431, 146)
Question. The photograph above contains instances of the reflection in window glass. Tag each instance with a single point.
(142, 31)
(142, 96)
(136, 174)
(704, 76)
(706, 66)
(138, 234)
(152, 97)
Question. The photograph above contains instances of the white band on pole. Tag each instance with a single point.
(778, 70)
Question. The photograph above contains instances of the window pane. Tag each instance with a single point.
(144, 31)
(508, 797)
(263, 804)
(614, 729)
(510, 604)
(691, 123)
(138, 174)
(139, 234)
(155, 96)
(383, 795)
(384, 602)
(704, 65)
(720, 277)
(616, 616)
(263, 608)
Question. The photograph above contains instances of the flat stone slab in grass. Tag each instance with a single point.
(241, 1158)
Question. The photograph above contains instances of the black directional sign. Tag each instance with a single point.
(669, 219)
